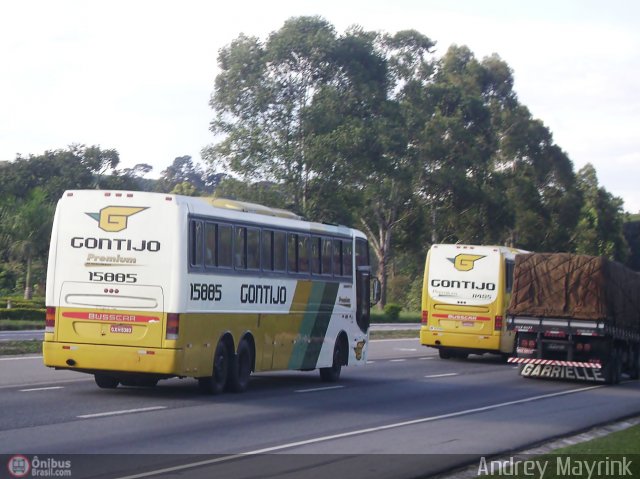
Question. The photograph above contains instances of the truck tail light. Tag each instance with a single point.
(528, 343)
(50, 319)
(173, 326)
(497, 325)
(425, 317)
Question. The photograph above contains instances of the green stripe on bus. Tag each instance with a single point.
(314, 325)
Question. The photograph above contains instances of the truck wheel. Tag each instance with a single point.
(613, 368)
(635, 367)
(240, 369)
(216, 383)
(105, 381)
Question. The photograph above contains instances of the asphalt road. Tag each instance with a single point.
(406, 414)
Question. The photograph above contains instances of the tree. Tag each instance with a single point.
(182, 170)
(261, 99)
(28, 229)
(599, 231)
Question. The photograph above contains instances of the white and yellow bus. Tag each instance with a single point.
(146, 286)
(465, 293)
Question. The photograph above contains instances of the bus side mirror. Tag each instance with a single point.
(375, 291)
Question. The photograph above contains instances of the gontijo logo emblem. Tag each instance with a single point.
(465, 262)
(114, 218)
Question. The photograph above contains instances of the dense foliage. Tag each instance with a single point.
(362, 128)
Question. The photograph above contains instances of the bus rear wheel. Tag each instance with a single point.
(104, 381)
(240, 368)
(216, 383)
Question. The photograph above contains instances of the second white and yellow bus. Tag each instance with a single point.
(466, 291)
(145, 286)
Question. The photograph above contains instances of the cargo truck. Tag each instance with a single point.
(576, 317)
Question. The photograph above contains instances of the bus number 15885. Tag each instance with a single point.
(206, 292)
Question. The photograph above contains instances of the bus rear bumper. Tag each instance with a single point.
(98, 357)
(437, 339)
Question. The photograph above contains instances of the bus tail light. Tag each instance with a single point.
(173, 326)
(497, 325)
(425, 317)
(50, 319)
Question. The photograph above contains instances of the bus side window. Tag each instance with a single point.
(362, 252)
(210, 244)
(267, 250)
(303, 253)
(509, 267)
(347, 252)
(326, 256)
(240, 248)
(253, 248)
(315, 255)
(225, 237)
(292, 253)
(337, 257)
(195, 243)
(279, 251)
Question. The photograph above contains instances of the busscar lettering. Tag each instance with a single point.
(115, 244)
(446, 283)
(263, 294)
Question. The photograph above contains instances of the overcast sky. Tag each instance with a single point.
(137, 75)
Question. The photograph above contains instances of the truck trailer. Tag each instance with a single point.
(576, 317)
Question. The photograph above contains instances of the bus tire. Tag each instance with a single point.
(444, 353)
(332, 373)
(216, 383)
(104, 381)
(240, 368)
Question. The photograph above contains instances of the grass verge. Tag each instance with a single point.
(8, 348)
(614, 455)
(20, 324)
(399, 334)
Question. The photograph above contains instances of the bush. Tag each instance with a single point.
(22, 313)
(392, 311)
(18, 302)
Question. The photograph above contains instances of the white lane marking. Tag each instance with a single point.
(327, 388)
(427, 357)
(393, 339)
(397, 360)
(41, 389)
(357, 432)
(123, 411)
(20, 358)
(443, 375)
(405, 349)
(370, 362)
(8, 386)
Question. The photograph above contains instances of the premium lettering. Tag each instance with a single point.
(116, 244)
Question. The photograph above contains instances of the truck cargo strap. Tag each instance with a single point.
(554, 362)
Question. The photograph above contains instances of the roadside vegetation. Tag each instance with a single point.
(578, 458)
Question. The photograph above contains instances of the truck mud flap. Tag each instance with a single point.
(576, 373)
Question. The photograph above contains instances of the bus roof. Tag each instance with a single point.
(225, 209)
(507, 251)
